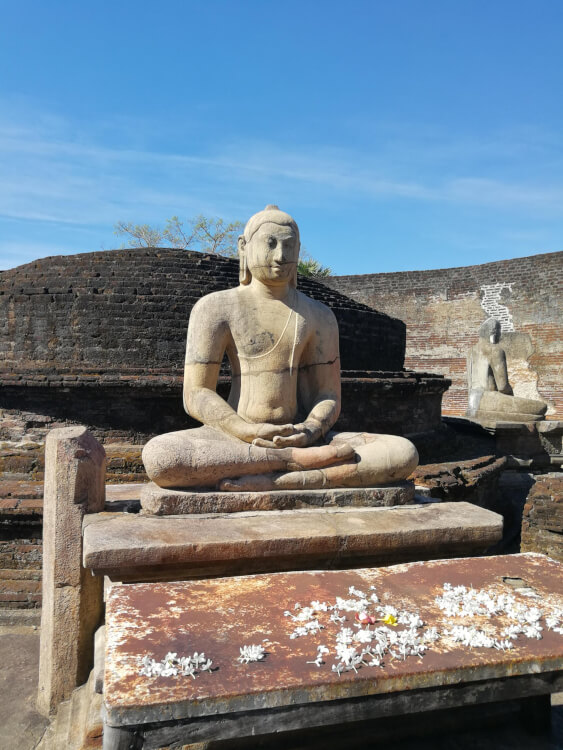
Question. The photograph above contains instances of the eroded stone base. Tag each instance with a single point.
(489, 419)
(165, 502)
(533, 445)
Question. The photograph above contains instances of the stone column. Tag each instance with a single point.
(72, 596)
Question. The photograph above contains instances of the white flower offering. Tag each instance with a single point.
(251, 653)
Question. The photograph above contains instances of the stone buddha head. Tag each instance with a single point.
(490, 331)
(269, 248)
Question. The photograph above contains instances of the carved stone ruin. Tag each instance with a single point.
(491, 398)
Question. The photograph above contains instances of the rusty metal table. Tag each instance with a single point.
(286, 690)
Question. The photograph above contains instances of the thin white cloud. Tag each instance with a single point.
(52, 174)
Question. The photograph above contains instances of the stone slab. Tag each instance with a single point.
(218, 616)
(166, 502)
(127, 544)
(490, 418)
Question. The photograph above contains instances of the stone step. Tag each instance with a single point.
(80, 710)
(24, 465)
(14, 617)
(79, 702)
(18, 592)
(128, 546)
(13, 574)
(62, 726)
(77, 723)
(93, 726)
(46, 742)
(24, 489)
(31, 509)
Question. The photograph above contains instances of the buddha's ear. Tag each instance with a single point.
(244, 274)
(293, 279)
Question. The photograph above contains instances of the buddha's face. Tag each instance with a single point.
(272, 254)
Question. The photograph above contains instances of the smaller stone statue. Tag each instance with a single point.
(490, 394)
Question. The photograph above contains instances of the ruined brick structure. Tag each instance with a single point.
(443, 310)
(542, 524)
(99, 338)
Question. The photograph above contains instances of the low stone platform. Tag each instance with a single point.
(166, 502)
(492, 418)
(528, 445)
(131, 547)
(292, 686)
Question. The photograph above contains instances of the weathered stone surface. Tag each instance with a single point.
(126, 544)
(72, 601)
(158, 501)
(536, 445)
(542, 522)
(474, 480)
(218, 616)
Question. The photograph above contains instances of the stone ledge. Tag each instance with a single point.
(157, 501)
(221, 544)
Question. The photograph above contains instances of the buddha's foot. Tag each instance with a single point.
(380, 460)
(316, 457)
(340, 475)
(304, 469)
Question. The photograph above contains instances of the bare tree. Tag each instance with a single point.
(202, 233)
(205, 234)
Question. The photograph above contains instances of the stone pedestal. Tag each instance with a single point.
(166, 502)
(489, 419)
(535, 445)
(527, 445)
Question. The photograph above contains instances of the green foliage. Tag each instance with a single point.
(205, 234)
(308, 266)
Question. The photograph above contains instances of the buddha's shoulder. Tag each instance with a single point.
(315, 309)
(215, 301)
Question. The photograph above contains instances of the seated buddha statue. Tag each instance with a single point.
(274, 432)
(490, 393)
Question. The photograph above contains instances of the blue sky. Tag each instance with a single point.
(401, 135)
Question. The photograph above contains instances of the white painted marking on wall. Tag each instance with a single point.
(490, 302)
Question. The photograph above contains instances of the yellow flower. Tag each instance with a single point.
(390, 620)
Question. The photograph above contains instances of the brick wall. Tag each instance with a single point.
(116, 313)
(443, 310)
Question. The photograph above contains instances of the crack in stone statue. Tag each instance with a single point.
(491, 397)
(275, 430)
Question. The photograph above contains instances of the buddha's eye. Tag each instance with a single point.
(272, 242)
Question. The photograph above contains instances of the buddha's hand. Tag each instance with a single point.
(304, 434)
(265, 434)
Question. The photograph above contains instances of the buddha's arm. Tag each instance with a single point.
(500, 371)
(208, 335)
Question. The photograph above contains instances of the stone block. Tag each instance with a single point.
(165, 502)
(217, 616)
(72, 598)
(128, 546)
